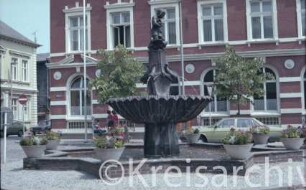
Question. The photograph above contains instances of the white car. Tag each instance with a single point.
(218, 131)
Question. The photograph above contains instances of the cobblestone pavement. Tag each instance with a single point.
(14, 177)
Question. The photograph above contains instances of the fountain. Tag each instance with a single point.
(159, 111)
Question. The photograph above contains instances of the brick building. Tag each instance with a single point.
(273, 30)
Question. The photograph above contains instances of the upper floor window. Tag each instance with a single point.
(212, 21)
(300, 5)
(75, 28)
(170, 23)
(261, 19)
(121, 29)
(218, 104)
(14, 68)
(25, 70)
(120, 24)
(76, 33)
(267, 102)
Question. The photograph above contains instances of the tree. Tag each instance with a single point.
(119, 73)
(238, 79)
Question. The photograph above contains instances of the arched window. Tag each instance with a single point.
(219, 104)
(77, 98)
(267, 102)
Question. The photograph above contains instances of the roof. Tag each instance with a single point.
(43, 56)
(9, 33)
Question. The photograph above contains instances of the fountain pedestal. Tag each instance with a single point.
(159, 111)
(161, 140)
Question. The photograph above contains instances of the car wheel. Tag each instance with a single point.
(203, 138)
(20, 133)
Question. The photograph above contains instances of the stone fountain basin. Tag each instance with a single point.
(159, 109)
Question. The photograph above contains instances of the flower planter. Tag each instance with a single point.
(260, 138)
(52, 144)
(292, 143)
(109, 153)
(239, 152)
(35, 151)
(192, 138)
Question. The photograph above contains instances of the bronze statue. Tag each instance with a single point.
(158, 76)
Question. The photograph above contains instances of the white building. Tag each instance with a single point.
(18, 73)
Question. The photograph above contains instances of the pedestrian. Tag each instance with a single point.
(115, 118)
(110, 121)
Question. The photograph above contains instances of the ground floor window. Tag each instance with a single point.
(78, 99)
(267, 102)
(218, 104)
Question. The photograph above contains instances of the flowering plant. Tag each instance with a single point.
(260, 129)
(237, 137)
(33, 140)
(192, 131)
(104, 142)
(52, 135)
(292, 132)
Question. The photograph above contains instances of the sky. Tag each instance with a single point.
(28, 17)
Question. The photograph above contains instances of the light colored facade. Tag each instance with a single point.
(18, 74)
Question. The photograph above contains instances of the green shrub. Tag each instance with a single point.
(235, 137)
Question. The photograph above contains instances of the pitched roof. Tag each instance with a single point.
(9, 33)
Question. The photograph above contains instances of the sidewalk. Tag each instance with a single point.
(14, 177)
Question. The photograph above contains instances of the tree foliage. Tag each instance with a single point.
(238, 79)
(119, 73)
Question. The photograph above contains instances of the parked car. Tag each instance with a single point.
(217, 132)
(15, 129)
(42, 127)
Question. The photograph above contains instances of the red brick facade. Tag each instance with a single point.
(286, 45)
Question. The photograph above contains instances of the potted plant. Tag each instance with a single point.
(292, 138)
(237, 144)
(109, 147)
(260, 134)
(192, 135)
(53, 140)
(33, 146)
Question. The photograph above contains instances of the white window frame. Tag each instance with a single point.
(200, 3)
(25, 70)
(13, 68)
(164, 5)
(15, 109)
(70, 80)
(249, 21)
(265, 111)
(215, 101)
(299, 12)
(118, 8)
(74, 12)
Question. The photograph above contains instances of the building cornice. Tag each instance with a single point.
(162, 2)
(57, 66)
(33, 45)
(119, 5)
(209, 56)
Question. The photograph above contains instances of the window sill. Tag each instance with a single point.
(265, 113)
(207, 44)
(20, 82)
(301, 39)
(215, 114)
(78, 118)
(262, 41)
